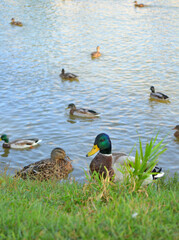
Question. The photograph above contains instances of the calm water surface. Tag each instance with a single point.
(139, 48)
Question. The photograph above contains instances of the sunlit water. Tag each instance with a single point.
(139, 48)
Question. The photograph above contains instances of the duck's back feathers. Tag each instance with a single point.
(158, 95)
(81, 112)
(22, 143)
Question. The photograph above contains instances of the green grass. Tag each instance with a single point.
(146, 159)
(95, 210)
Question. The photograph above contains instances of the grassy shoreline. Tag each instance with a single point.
(54, 210)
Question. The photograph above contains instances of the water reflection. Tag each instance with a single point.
(70, 80)
(5, 153)
(159, 100)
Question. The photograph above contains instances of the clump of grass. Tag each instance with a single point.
(139, 172)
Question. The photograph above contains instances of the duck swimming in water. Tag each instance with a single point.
(13, 22)
(97, 53)
(81, 112)
(19, 143)
(57, 166)
(113, 161)
(157, 95)
(176, 134)
(69, 76)
(138, 4)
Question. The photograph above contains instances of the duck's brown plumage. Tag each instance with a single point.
(102, 162)
(138, 4)
(16, 23)
(176, 134)
(97, 53)
(56, 167)
(81, 112)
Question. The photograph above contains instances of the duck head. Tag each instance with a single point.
(102, 144)
(4, 138)
(12, 20)
(71, 106)
(57, 154)
(176, 128)
(152, 89)
(63, 71)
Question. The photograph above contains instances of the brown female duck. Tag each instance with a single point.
(97, 53)
(16, 23)
(81, 112)
(56, 167)
(138, 4)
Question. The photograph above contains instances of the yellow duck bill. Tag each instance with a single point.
(93, 151)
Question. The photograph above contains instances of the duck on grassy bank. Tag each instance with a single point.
(19, 143)
(114, 161)
(81, 112)
(58, 166)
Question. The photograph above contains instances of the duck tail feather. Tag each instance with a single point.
(158, 171)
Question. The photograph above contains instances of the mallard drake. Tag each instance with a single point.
(157, 95)
(13, 22)
(19, 143)
(69, 76)
(176, 134)
(81, 112)
(97, 53)
(138, 4)
(57, 166)
(113, 161)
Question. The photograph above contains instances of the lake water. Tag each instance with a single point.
(139, 48)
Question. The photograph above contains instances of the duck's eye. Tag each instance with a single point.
(102, 140)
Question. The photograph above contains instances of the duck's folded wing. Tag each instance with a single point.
(71, 75)
(22, 142)
(93, 112)
(34, 168)
(121, 158)
(163, 95)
